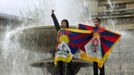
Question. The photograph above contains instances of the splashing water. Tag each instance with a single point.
(14, 59)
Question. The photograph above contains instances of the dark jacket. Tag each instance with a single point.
(56, 23)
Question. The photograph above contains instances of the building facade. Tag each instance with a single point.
(117, 15)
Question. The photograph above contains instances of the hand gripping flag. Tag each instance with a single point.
(100, 46)
(69, 42)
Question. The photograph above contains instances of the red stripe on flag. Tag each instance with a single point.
(111, 38)
(74, 45)
(89, 27)
(78, 36)
(105, 47)
(67, 32)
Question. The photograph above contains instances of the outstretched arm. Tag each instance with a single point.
(56, 23)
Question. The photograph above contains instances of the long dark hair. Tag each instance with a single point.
(66, 22)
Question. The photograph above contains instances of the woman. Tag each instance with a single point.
(62, 66)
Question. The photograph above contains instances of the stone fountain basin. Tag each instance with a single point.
(45, 62)
(76, 64)
(38, 39)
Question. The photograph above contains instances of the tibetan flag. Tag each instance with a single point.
(100, 46)
(73, 40)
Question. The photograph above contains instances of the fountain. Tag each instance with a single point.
(44, 40)
(29, 50)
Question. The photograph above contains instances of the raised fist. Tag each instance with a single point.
(52, 11)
